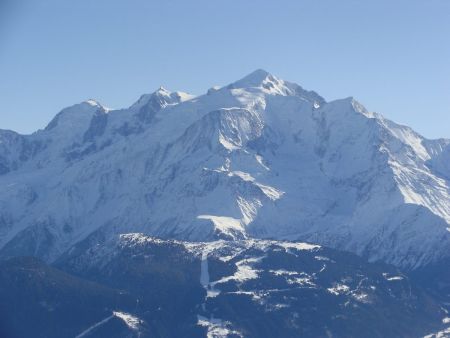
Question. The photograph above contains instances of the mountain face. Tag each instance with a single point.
(259, 158)
(141, 286)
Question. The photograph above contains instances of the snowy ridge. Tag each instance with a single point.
(259, 158)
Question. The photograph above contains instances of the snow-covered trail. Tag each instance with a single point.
(209, 286)
(217, 328)
(204, 270)
(93, 327)
(131, 321)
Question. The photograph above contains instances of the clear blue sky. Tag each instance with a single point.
(393, 56)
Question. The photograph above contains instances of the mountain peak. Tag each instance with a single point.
(72, 115)
(270, 84)
(254, 79)
(161, 98)
(162, 91)
(258, 75)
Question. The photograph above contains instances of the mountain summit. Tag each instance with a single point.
(261, 157)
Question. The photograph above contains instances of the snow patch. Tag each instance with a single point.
(244, 271)
(297, 246)
(227, 225)
(131, 321)
(283, 272)
(392, 278)
(270, 192)
(260, 160)
(339, 289)
(227, 144)
(217, 328)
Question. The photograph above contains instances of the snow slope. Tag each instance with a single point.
(261, 157)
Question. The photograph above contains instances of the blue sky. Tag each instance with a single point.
(393, 56)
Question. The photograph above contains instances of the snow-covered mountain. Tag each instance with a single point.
(261, 157)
